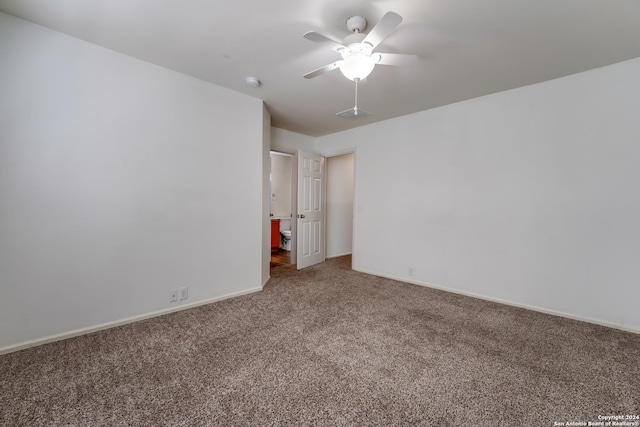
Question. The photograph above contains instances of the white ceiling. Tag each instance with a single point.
(467, 48)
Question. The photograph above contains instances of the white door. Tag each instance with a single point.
(310, 216)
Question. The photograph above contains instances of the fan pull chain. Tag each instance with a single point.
(355, 108)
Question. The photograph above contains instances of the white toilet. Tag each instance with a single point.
(286, 234)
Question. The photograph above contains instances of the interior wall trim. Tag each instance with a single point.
(113, 324)
(626, 328)
(338, 255)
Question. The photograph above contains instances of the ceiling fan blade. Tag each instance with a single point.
(396, 59)
(383, 28)
(322, 70)
(323, 40)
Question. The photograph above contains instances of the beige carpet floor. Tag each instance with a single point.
(330, 346)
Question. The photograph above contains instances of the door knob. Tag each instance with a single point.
(300, 216)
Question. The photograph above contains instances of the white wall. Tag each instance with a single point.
(339, 205)
(119, 181)
(530, 196)
(290, 142)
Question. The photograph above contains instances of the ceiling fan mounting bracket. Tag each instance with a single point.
(356, 24)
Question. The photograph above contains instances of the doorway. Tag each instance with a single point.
(339, 212)
(281, 207)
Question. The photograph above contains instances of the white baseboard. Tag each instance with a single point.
(501, 301)
(90, 329)
(338, 255)
(265, 282)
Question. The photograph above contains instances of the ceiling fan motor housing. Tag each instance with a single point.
(353, 39)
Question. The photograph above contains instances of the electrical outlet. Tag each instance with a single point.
(411, 271)
(184, 293)
(173, 295)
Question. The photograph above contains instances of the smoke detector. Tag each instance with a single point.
(252, 81)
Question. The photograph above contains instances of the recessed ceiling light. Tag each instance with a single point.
(252, 81)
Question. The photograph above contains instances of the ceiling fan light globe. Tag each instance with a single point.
(357, 66)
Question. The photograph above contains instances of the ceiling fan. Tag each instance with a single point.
(357, 49)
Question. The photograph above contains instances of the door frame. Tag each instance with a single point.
(294, 202)
(294, 199)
